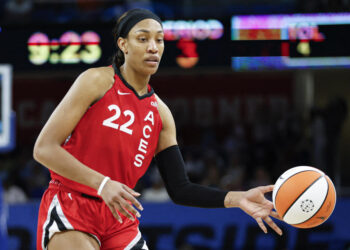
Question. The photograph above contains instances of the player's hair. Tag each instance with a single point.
(123, 26)
(118, 58)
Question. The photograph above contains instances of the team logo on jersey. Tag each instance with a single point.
(154, 104)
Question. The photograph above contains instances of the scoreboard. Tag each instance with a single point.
(291, 41)
(188, 44)
(254, 42)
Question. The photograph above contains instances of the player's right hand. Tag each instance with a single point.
(118, 196)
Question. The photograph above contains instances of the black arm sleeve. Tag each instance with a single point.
(172, 169)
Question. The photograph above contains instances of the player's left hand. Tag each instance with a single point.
(254, 203)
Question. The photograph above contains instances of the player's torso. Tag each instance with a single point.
(118, 135)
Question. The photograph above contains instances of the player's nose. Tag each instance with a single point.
(152, 46)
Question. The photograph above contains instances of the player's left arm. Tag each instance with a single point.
(172, 169)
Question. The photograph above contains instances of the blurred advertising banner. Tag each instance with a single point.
(223, 98)
(166, 226)
(204, 100)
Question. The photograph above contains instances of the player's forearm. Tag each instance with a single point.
(63, 163)
(180, 189)
(191, 194)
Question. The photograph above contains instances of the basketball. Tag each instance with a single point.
(304, 197)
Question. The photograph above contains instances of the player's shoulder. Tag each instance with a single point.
(101, 76)
(162, 107)
(95, 82)
(163, 110)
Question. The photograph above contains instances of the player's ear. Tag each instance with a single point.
(122, 44)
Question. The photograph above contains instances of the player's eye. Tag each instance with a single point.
(142, 39)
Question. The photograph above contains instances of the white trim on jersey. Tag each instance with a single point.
(135, 241)
(96, 238)
(53, 228)
(144, 247)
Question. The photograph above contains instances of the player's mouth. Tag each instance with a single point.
(152, 60)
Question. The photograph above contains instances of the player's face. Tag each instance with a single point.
(144, 46)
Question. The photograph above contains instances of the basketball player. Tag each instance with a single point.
(100, 140)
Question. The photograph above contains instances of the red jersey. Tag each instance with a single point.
(117, 136)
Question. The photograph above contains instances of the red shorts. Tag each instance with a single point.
(63, 209)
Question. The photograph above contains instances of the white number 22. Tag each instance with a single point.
(124, 127)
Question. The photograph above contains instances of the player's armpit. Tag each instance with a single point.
(167, 136)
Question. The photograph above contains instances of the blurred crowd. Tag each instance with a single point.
(236, 156)
(88, 11)
(81, 11)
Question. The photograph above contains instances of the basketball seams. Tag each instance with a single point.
(325, 198)
(290, 173)
(296, 170)
(306, 200)
(288, 179)
(285, 180)
(301, 195)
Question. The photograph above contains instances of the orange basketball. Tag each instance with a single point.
(304, 197)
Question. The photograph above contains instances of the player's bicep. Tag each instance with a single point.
(70, 110)
(167, 136)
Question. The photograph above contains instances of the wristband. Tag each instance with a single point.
(103, 183)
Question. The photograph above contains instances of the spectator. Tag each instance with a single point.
(261, 177)
(12, 193)
(212, 178)
(318, 137)
(18, 10)
(336, 113)
(141, 4)
(89, 9)
(235, 174)
(194, 167)
(157, 192)
(235, 142)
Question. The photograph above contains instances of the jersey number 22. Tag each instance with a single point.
(110, 122)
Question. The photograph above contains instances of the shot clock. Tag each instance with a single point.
(69, 48)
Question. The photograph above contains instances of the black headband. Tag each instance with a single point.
(132, 18)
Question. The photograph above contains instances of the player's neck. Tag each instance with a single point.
(135, 79)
